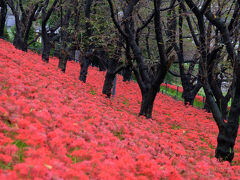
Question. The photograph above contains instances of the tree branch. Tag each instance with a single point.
(205, 6)
(34, 40)
(114, 19)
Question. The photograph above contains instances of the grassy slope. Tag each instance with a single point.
(52, 126)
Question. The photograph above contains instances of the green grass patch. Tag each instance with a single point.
(6, 166)
(10, 134)
(21, 147)
(77, 159)
(125, 101)
(204, 140)
(178, 96)
(5, 119)
(119, 134)
(176, 126)
(92, 91)
(171, 92)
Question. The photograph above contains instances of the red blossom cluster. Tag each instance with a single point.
(52, 126)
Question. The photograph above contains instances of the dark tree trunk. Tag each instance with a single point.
(226, 140)
(207, 107)
(84, 68)
(87, 58)
(127, 74)
(228, 131)
(19, 43)
(224, 107)
(221, 100)
(114, 67)
(189, 89)
(111, 74)
(99, 59)
(46, 43)
(46, 50)
(127, 71)
(87, 12)
(148, 82)
(63, 60)
(3, 16)
(103, 60)
(228, 127)
(108, 84)
(148, 97)
(45, 36)
(188, 97)
(64, 34)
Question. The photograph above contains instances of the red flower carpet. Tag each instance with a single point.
(52, 126)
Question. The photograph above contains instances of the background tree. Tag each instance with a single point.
(116, 63)
(47, 34)
(88, 47)
(64, 34)
(228, 126)
(149, 80)
(3, 16)
(114, 67)
(190, 81)
(25, 14)
(98, 37)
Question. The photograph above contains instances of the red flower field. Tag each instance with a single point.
(52, 126)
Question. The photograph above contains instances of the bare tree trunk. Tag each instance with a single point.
(84, 68)
(127, 74)
(46, 49)
(148, 97)
(62, 64)
(113, 64)
(108, 83)
(18, 42)
(149, 81)
(86, 58)
(228, 127)
(3, 16)
(226, 140)
(114, 67)
(63, 55)
(45, 36)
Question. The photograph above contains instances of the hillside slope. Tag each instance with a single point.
(52, 126)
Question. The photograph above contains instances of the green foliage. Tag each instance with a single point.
(36, 46)
(12, 33)
(5, 34)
